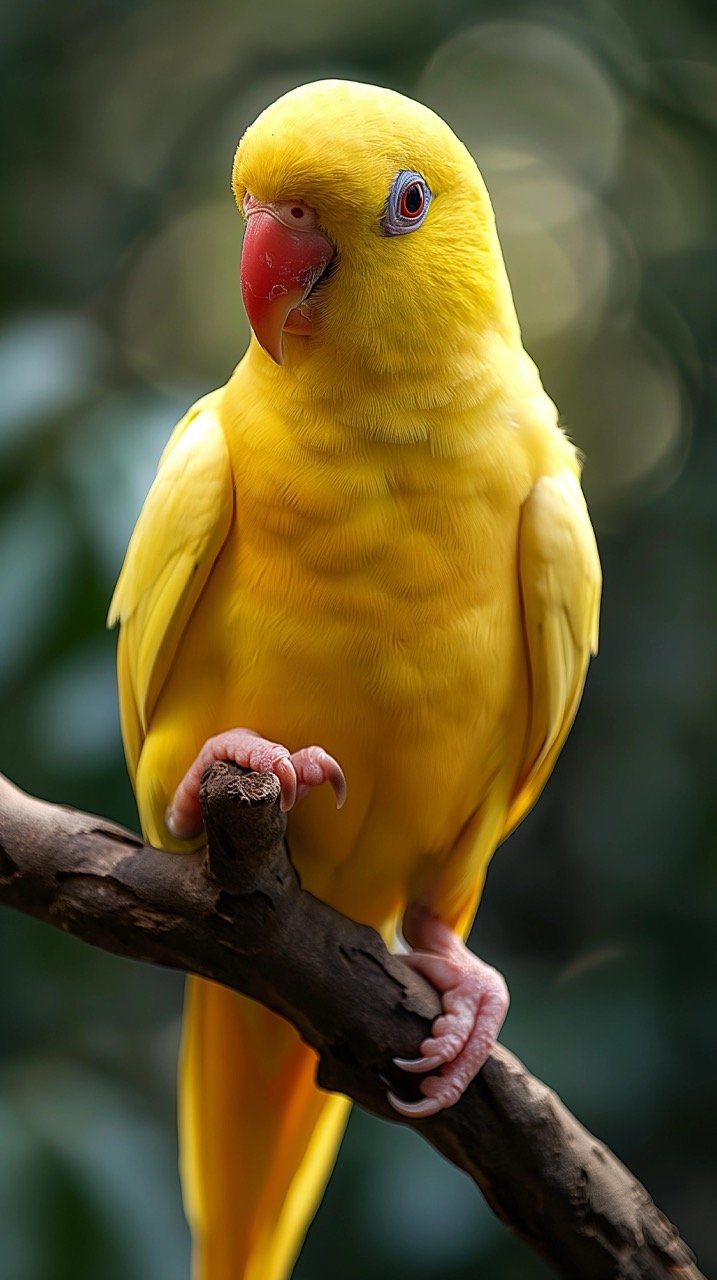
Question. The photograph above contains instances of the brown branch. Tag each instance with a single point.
(239, 916)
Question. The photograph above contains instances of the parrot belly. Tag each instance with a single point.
(427, 726)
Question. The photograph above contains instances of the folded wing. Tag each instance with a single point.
(180, 531)
(560, 583)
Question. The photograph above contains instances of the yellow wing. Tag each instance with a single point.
(560, 582)
(180, 531)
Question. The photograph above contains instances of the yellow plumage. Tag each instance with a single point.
(380, 546)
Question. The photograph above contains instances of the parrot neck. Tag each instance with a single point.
(342, 403)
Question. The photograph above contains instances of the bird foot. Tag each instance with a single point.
(297, 771)
(475, 1001)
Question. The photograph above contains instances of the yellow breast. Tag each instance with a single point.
(367, 600)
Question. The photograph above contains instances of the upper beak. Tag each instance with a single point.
(283, 255)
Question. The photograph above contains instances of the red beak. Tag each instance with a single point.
(283, 256)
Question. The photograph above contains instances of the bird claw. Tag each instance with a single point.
(475, 1001)
(313, 766)
(419, 1064)
(414, 1110)
(298, 772)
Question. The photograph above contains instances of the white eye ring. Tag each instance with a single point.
(407, 203)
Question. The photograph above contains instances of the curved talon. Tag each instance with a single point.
(419, 1064)
(334, 775)
(313, 766)
(427, 1107)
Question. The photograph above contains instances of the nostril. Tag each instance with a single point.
(290, 212)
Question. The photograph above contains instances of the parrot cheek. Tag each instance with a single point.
(279, 268)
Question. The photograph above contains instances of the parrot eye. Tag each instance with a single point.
(407, 204)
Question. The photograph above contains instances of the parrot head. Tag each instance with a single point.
(368, 228)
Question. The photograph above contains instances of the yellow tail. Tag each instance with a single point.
(258, 1139)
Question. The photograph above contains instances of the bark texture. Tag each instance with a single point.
(236, 913)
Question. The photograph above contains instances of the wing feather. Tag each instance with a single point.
(180, 531)
(560, 582)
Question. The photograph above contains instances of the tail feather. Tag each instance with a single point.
(258, 1138)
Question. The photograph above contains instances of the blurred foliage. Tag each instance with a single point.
(594, 124)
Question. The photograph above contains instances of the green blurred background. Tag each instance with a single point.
(594, 124)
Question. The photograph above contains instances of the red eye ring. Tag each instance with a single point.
(409, 207)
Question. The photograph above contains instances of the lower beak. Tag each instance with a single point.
(279, 268)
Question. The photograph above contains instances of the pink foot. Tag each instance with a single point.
(475, 1001)
(297, 772)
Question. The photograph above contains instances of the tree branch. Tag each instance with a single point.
(238, 915)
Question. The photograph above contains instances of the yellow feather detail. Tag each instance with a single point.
(560, 582)
(182, 526)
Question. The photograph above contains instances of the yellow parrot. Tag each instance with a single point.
(373, 538)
